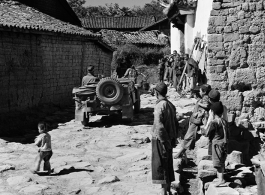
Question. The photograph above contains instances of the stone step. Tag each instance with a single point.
(212, 190)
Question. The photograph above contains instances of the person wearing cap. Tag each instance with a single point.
(218, 134)
(161, 69)
(89, 78)
(164, 138)
(177, 70)
(214, 96)
(131, 73)
(192, 69)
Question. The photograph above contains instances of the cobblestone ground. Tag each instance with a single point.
(107, 158)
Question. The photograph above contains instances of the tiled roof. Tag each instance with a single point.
(15, 14)
(116, 38)
(117, 22)
(158, 22)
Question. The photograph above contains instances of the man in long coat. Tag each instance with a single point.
(164, 139)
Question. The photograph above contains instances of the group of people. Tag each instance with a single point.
(171, 68)
(210, 118)
(209, 114)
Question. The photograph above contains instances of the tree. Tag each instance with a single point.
(152, 8)
(78, 7)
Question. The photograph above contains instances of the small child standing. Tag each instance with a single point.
(259, 162)
(43, 141)
(217, 131)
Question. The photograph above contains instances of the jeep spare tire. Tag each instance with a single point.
(109, 91)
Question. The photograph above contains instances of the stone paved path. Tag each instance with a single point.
(102, 160)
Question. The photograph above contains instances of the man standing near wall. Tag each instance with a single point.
(164, 135)
(177, 71)
(191, 72)
(89, 78)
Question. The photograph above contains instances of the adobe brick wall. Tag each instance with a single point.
(236, 44)
(38, 69)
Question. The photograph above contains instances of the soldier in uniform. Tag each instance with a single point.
(89, 78)
(131, 73)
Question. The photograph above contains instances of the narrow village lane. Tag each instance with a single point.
(107, 158)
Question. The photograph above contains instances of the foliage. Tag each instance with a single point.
(129, 54)
(166, 51)
(78, 7)
(152, 8)
(151, 56)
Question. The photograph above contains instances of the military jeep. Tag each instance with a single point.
(108, 96)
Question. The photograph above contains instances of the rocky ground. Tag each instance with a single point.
(107, 158)
(112, 158)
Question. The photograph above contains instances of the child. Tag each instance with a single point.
(43, 141)
(198, 118)
(217, 131)
(259, 162)
(204, 103)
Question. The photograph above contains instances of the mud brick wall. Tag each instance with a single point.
(236, 57)
(37, 69)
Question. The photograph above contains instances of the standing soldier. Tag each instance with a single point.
(177, 71)
(131, 73)
(164, 135)
(161, 69)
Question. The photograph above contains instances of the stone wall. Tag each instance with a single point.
(38, 69)
(236, 43)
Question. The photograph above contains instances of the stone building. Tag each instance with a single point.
(43, 58)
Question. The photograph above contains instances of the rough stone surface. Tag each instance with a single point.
(33, 189)
(108, 179)
(233, 100)
(238, 28)
(235, 158)
(13, 181)
(206, 165)
(212, 190)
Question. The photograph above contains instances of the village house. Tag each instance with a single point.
(121, 23)
(42, 57)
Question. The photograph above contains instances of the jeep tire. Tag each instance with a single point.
(109, 91)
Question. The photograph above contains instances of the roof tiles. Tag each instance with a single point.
(15, 14)
(116, 38)
(117, 22)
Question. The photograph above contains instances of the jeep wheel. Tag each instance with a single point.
(85, 120)
(109, 91)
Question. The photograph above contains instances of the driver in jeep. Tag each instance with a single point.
(89, 78)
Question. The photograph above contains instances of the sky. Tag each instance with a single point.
(126, 3)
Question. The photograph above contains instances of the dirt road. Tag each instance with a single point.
(108, 158)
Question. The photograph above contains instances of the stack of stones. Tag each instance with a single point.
(240, 178)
